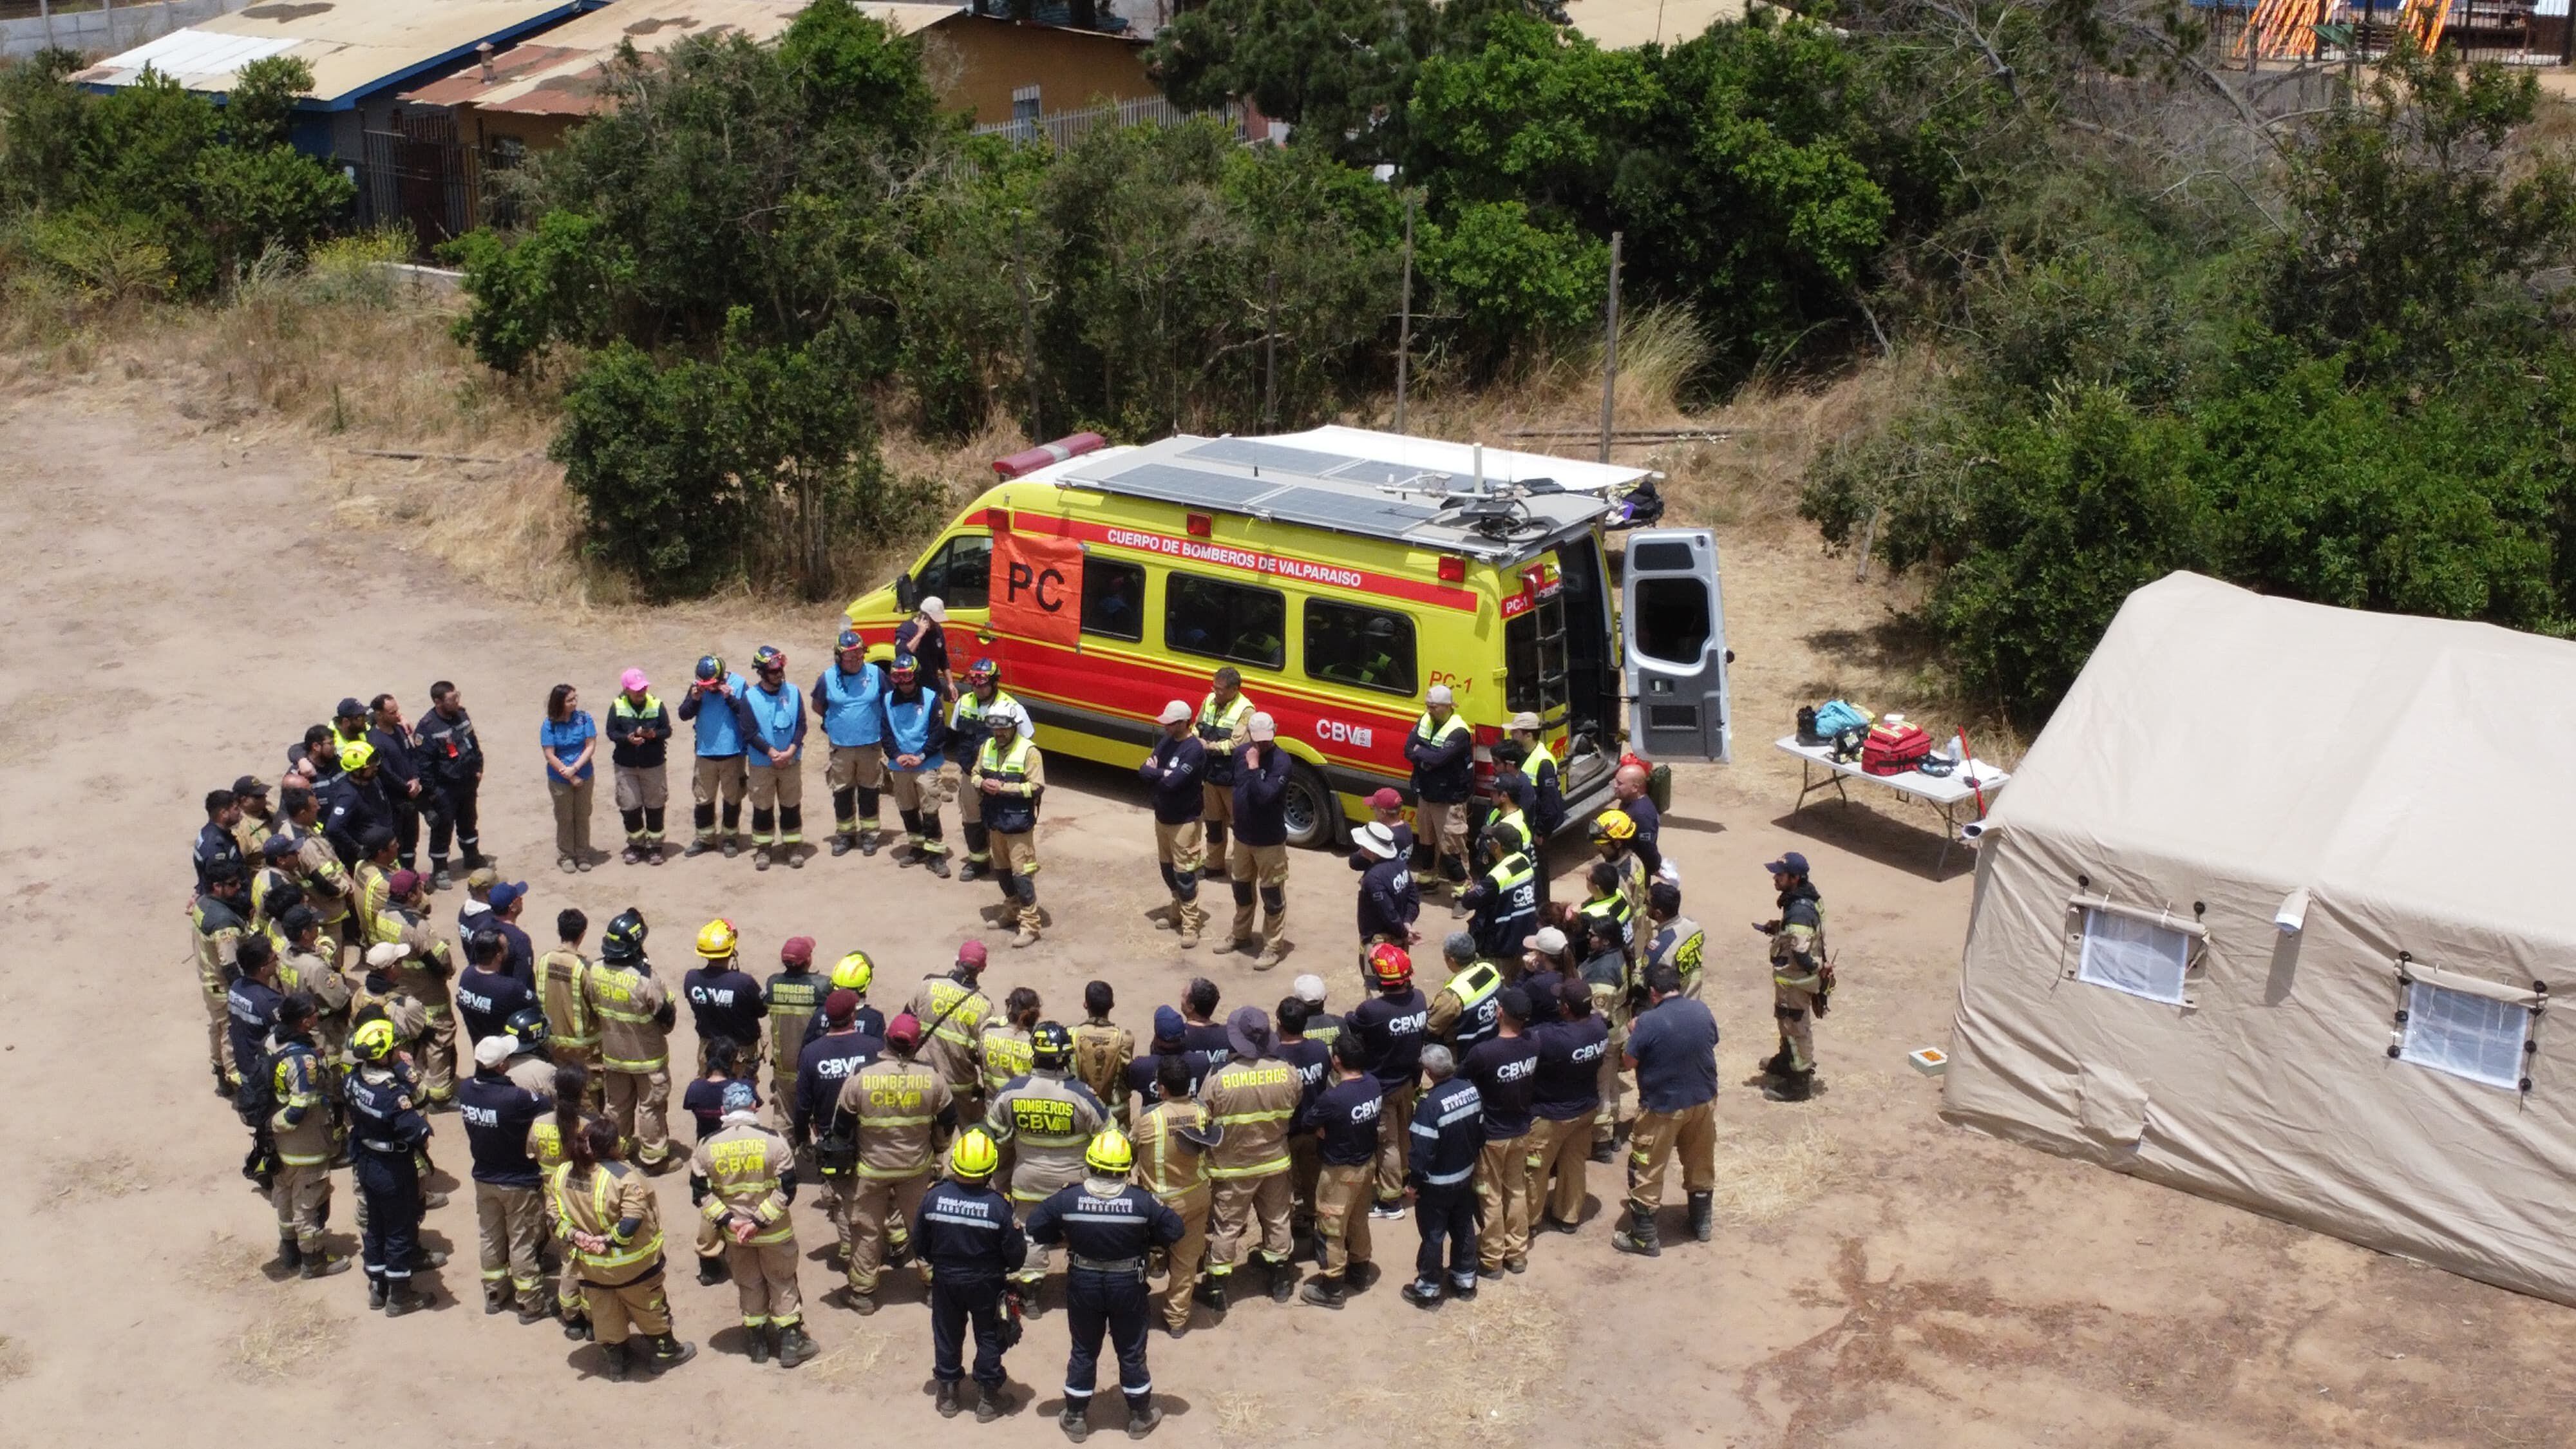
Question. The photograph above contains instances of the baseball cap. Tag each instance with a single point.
(1548, 942)
(1527, 721)
(483, 879)
(1791, 864)
(632, 680)
(1168, 1025)
(404, 882)
(1308, 988)
(935, 609)
(1375, 839)
(799, 949)
(507, 892)
(1248, 1032)
(1440, 695)
(1515, 1003)
(973, 954)
(904, 1031)
(250, 785)
(1262, 727)
(1386, 799)
(386, 953)
(840, 1002)
(1173, 713)
(349, 707)
(277, 847)
(492, 1051)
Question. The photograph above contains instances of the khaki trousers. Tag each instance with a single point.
(1343, 1197)
(435, 1054)
(640, 1305)
(1394, 1123)
(1798, 1032)
(958, 781)
(219, 1035)
(640, 1104)
(1559, 1150)
(1605, 1118)
(1186, 1256)
(764, 1279)
(1443, 826)
(720, 778)
(1216, 805)
(1658, 1137)
(511, 1222)
(1265, 868)
(1503, 1192)
(1241, 1203)
(856, 767)
(643, 787)
(873, 1205)
(302, 1197)
(572, 817)
(913, 789)
(1183, 848)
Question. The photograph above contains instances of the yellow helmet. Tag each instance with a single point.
(1110, 1154)
(854, 972)
(716, 939)
(974, 1157)
(1614, 825)
(373, 1041)
(356, 755)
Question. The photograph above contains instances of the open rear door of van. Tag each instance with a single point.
(1673, 619)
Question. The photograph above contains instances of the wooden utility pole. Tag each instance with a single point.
(1028, 330)
(1404, 319)
(1610, 350)
(1270, 354)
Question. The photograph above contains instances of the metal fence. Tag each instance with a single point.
(420, 175)
(1062, 128)
(2511, 32)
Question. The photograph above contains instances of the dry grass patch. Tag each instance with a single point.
(1243, 1418)
(89, 1180)
(15, 1361)
(1763, 1179)
(225, 1263)
(279, 1341)
(1492, 1382)
(847, 1366)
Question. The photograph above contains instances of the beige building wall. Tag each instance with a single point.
(978, 64)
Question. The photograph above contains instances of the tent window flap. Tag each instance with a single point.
(2464, 1034)
(2141, 957)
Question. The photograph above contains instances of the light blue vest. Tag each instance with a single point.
(908, 725)
(719, 733)
(853, 705)
(775, 715)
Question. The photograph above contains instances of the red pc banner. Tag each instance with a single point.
(1039, 593)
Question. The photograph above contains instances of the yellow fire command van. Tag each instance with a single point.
(1344, 573)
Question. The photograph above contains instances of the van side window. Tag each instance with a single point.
(960, 575)
(1113, 599)
(1225, 621)
(1367, 647)
(1673, 621)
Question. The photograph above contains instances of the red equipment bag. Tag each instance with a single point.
(1894, 749)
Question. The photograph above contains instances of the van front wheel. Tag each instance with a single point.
(1314, 813)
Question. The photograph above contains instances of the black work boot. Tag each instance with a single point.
(375, 1291)
(1075, 1421)
(1325, 1292)
(1421, 1294)
(758, 1334)
(289, 1259)
(323, 1265)
(669, 1352)
(700, 846)
(711, 1271)
(1283, 1281)
(868, 843)
(990, 1402)
(794, 1346)
(1141, 1418)
(1792, 1087)
(402, 1298)
(1605, 1151)
(840, 844)
(1637, 1235)
(496, 1297)
(1703, 1215)
(947, 1400)
(620, 1361)
(1211, 1291)
(937, 865)
(577, 1327)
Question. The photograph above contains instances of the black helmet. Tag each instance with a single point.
(528, 1028)
(623, 941)
(1051, 1046)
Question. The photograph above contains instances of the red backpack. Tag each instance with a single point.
(1894, 748)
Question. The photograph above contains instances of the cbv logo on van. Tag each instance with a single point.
(1339, 732)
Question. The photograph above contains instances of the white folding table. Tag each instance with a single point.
(1945, 793)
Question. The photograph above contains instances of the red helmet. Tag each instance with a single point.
(1390, 965)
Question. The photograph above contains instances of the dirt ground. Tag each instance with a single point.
(184, 602)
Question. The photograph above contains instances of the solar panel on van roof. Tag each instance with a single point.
(1188, 485)
(1331, 509)
(1254, 453)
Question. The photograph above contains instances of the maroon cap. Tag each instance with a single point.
(838, 1006)
(403, 882)
(904, 1030)
(971, 954)
(1386, 799)
(799, 951)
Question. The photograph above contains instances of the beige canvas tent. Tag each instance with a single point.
(2275, 911)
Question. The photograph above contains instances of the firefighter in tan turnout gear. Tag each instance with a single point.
(743, 1180)
(952, 1014)
(1251, 1100)
(893, 1110)
(1172, 1139)
(1049, 1118)
(607, 1212)
(635, 1017)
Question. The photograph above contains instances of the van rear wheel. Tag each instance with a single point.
(1314, 814)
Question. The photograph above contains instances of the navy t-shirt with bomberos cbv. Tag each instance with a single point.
(1505, 1071)
(1675, 1044)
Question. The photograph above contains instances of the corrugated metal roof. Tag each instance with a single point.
(557, 72)
(355, 47)
(1625, 24)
